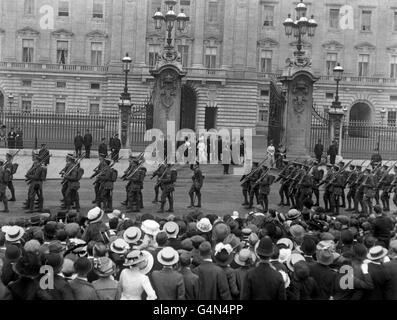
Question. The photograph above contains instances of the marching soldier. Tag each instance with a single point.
(283, 176)
(294, 190)
(195, 189)
(288, 184)
(44, 154)
(135, 181)
(35, 176)
(370, 182)
(167, 180)
(97, 183)
(133, 161)
(318, 175)
(106, 178)
(72, 181)
(328, 189)
(351, 183)
(305, 186)
(12, 167)
(144, 171)
(378, 173)
(253, 188)
(393, 185)
(69, 164)
(264, 189)
(5, 174)
(385, 185)
(359, 196)
(338, 183)
(159, 171)
(344, 176)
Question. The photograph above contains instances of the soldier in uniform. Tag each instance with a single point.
(167, 185)
(143, 171)
(318, 175)
(132, 164)
(283, 177)
(370, 183)
(264, 189)
(105, 181)
(294, 188)
(195, 189)
(12, 167)
(35, 179)
(393, 185)
(159, 171)
(97, 183)
(44, 154)
(351, 183)
(305, 185)
(341, 165)
(378, 173)
(254, 189)
(338, 183)
(72, 181)
(359, 196)
(328, 197)
(5, 174)
(385, 185)
(135, 180)
(69, 164)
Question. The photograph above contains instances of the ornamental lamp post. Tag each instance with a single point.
(301, 26)
(125, 105)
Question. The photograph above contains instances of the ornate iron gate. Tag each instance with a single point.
(276, 114)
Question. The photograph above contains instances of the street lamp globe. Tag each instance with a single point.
(170, 18)
(338, 71)
(296, 28)
(312, 25)
(181, 18)
(301, 9)
(158, 18)
(289, 25)
(303, 24)
(126, 63)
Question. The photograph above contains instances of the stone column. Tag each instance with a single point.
(198, 44)
(140, 38)
(117, 32)
(228, 35)
(252, 36)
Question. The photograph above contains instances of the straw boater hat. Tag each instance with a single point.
(204, 225)
(244, 257)
(171, 229)
(119, 246)
(150, 227)
(285, 242)
(136, 257)
(376, 253)
(168, 256)
(14, 233)
(95, 215)
(132, 235)
(78, 247)
(116, 214)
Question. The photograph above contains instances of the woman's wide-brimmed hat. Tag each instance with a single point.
(137, 257)
(244, 257)
(104, 267)
(168, 256)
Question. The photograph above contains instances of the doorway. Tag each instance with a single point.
(188, 108)
(210, 118)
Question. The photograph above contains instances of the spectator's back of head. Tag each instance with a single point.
(82, 266)
(113, 223)
(161, 238)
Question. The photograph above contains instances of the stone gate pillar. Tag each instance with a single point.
(298, 82)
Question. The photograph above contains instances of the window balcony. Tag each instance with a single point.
(52, 67)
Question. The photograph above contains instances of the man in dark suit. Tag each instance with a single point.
(332, 152)
(11, 138)
(190, 279)
(391, 268)
(78, 143)
(213, 284)
(264, 282)
(318, 150)
(103, 148)
(87, 143)
(82, 289)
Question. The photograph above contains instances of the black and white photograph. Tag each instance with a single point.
(213, 151)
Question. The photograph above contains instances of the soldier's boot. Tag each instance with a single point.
(266, 204)
(5, 201)
(12, 194)
(191, 201)
(251, 202)
(199, 201)
(156, 196)
(387, 202)
(281, 193)
(161, 210)
(343, 201)
(349, 205)
(141, 202)
(171, 209)
(245, 194)
(288, 203)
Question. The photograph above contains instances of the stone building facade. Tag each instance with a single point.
(65, 55)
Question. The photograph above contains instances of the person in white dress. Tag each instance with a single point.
(271, 150)
(202, 150)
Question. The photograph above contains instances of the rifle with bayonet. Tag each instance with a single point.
(372, 171)
(261, 177)
(281, 174)
(67, 173)
(162, 175)
(128, 171)
(99, 173)
(158, 168)
(8, 161)
(246, 178)
(385, 175)
(351, 175)
(42, 161)
(341, 171)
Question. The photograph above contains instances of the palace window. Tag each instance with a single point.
(95, 86)
(154, 50)
(60, 107)
(28, 7)
(334, 18)
(366, 20)
(61, 84)
(210, 57)
(213, 11)
(26, 83)
(62, 51)
(266, 61)
(96, 53)
(184, 51)
(94, 109)
(268, 13)
(26, 105)
(63, 8)
(393, 67)
(330, 62)
(27, 50)
(363, 63)
(391, 118)
(97, 9)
